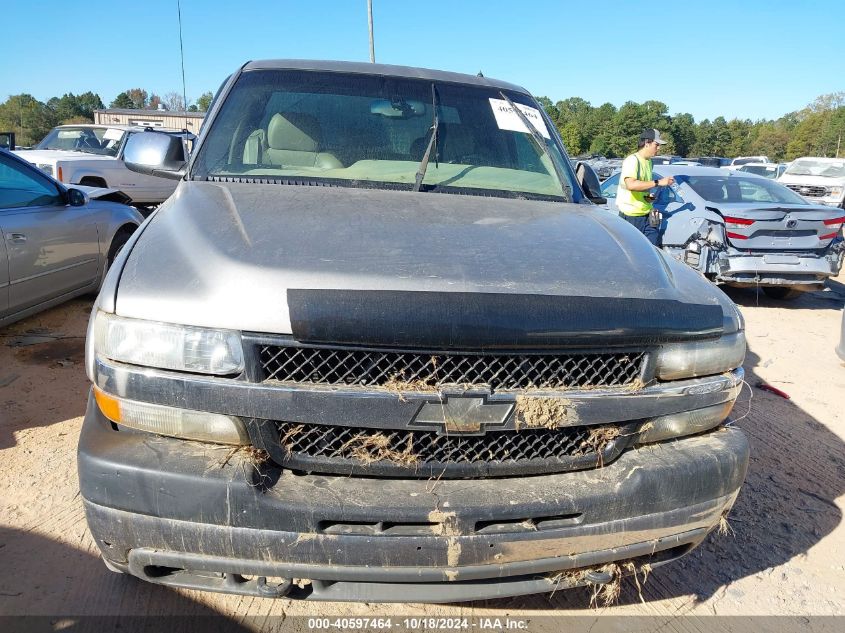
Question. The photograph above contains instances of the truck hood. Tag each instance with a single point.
(36, 156)
(817, 181)
(232, 255)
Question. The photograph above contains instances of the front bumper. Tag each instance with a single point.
(194, 515)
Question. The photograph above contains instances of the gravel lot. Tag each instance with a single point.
(785, 556)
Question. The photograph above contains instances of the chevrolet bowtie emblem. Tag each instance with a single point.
(466, 415)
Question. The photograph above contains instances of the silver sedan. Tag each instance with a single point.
(56, 243)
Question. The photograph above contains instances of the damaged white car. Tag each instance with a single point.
(745, 230)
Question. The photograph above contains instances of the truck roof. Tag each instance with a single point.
(119, 126)
(366, 68)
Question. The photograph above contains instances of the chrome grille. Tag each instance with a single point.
(421, 453)
(814, 191)
(338, 366)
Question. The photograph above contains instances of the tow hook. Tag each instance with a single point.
(597, 577)
(275, 590)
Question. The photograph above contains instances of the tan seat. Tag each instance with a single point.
(457, 143)
(292, 140)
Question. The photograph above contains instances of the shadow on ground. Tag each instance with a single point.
(49, 586)
(796, 471)
(831, 298)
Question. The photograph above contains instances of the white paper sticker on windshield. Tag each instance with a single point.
(112, 134)
(507, 119)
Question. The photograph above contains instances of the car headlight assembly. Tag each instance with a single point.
(168, 346)
(182, 423)
(700, 358)
(685, 423)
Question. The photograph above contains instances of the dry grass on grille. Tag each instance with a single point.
(375, 447)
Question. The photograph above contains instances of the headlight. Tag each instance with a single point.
(835, 191)
(700, 358)
(47, 168)
(168, 346)
(182, 423)
(684, 423)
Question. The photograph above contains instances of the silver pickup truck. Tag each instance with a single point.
(380, 346)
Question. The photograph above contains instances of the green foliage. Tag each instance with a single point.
(27, 117)
(682, 130)
(816, 130)
(76, 109)
(122, 101)
(138, 97)
(204, 101)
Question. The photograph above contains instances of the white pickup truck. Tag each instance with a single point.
(92, 155)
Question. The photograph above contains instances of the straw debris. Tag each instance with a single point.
(250, 454)
(724, 527)
(376, 447)
(291, 433)
(598, 439)
(399, 386)
(605, 593)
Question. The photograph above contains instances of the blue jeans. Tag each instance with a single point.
(642, 225)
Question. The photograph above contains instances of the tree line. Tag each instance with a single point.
(816, 130)
(31, 119)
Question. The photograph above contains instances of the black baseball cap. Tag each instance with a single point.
(650, 134)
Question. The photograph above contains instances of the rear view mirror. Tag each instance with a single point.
(397, 108)
(589, 183)
(155, 154)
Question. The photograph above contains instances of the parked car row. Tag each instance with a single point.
(92, 155)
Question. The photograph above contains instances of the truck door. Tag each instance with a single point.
(51, 248)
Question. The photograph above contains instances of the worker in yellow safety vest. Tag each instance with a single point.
(632, 199)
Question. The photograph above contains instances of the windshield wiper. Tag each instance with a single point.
(432, 143)
(541, 144)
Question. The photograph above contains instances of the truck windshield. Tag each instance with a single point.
(809, 167)
(91, 140)
(364, 130)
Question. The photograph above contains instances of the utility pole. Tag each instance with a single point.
(370, 19)
(838, 143)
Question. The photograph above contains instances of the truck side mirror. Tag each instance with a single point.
(589, 183)
(155, 154)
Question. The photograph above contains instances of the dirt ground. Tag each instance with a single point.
(785, 554)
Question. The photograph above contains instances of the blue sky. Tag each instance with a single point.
(746, 58)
